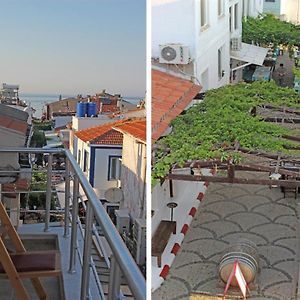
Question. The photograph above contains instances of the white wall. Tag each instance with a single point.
(101, 182)
(179, 22)
(290, 9)
(252, 8)
(82, 146)
(208, 41)
(173, 22)
(133, 176)
(79, 123)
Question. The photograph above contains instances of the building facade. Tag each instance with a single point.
(252, 8)
(133, 174)
(204, 27)
(202, 40)
(286, 10)
(99, 154)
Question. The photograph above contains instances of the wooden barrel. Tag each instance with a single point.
(245, 252)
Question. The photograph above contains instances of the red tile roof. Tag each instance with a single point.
(135, 128)
(110, 108)
(103, 134)
(12, 123)
(170, 96)
(19, 185)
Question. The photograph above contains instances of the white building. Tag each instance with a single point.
(99, 153)
(286, 10)
(133, 175)
(252, 8)
(201, 39)
(81, 123)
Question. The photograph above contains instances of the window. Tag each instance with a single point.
(114, 168)
(203, 13)
(236, 16)
(79, 157)
(270, 0)
(220, 63)
(86, 161)
(220, 7)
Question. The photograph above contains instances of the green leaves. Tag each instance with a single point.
(221, 120)
(270, 30)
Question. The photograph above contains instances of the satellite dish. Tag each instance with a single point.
(168, 53)
(114, 195)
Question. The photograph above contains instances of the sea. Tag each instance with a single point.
(38, 101)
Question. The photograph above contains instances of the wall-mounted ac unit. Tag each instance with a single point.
(174, 54)
(236, 43)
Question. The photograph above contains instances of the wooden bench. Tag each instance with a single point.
(161, 238)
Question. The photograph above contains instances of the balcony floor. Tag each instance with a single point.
(35, 238)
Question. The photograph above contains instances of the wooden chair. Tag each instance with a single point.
(23, 264)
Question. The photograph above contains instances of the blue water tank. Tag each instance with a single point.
(81, 110)
(91, 109)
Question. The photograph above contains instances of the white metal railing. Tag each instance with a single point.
(121, 260)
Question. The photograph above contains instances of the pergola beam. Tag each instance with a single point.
(284, 183)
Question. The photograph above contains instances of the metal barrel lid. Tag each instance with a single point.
(245, 252)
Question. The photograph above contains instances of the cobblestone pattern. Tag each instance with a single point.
(227, 213)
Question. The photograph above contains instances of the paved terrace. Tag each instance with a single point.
(227, 213)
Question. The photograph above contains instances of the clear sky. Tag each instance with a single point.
(74, 46)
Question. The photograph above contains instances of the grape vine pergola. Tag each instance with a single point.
(232, 126)
(267, 29)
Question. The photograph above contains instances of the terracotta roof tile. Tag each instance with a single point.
(19, 185)
(110, 108)
(135, 128)
(103, 134)
(12, 123)
(170, 96)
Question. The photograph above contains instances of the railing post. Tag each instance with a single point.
(67, 199)
(73, 247)
(87, 252)
(48, 192)
(114, 280)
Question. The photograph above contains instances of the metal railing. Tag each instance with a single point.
(121, 260)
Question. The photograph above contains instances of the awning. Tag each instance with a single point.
(250, 54)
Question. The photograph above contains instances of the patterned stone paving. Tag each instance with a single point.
(230, 212)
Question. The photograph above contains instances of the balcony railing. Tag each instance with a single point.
(121, 261)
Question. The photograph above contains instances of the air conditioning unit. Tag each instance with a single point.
(174, 54)
(236, 43)
(123, 220)
(139, 241)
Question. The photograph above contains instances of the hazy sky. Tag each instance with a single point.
(74, 46)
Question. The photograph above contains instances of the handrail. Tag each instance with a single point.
(129, 268)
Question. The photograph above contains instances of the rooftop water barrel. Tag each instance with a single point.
(245, 252)
(81, 109)
(91, 109)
